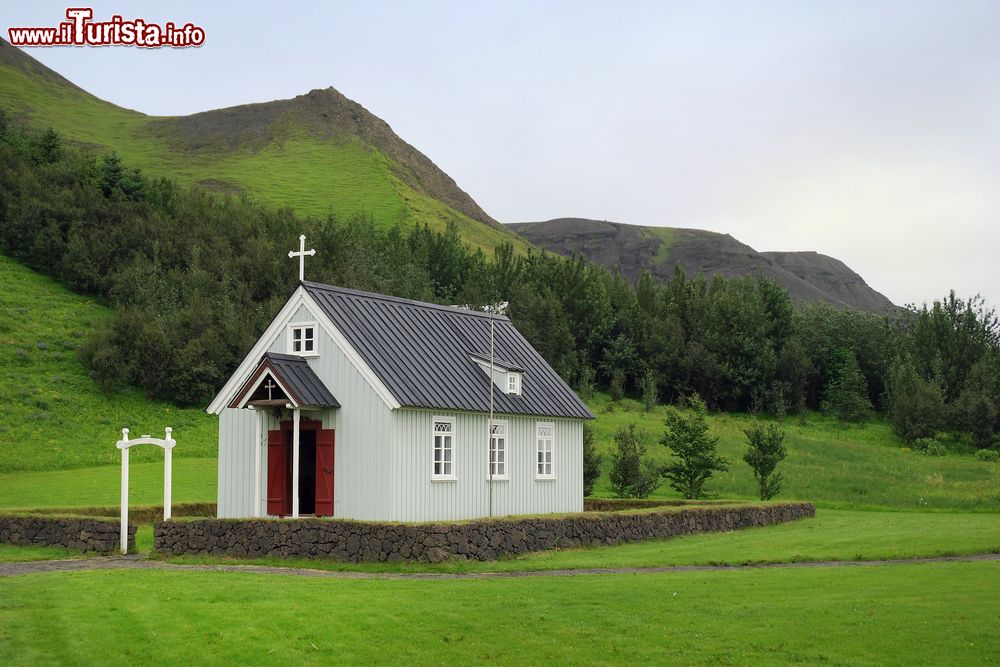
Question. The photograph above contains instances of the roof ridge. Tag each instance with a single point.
(308, 284)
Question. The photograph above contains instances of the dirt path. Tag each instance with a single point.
(140, 563)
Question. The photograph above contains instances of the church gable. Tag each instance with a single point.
(299, 314)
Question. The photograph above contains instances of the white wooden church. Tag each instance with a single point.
(365, 406)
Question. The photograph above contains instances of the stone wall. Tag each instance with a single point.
(139, 514)
(357, 541)
(619, 504)
(85, 534)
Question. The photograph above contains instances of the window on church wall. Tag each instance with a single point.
(302, 338)
(544, 437)
(513, 383)
(498, 450)
(444, 448)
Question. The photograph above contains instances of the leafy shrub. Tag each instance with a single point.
(989, 455)
(591, 461)
(929, 447)
(915, 405)
(650, 394)
(936, 449)
(617, 387)
(632, 475)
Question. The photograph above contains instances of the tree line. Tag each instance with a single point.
(194, 277)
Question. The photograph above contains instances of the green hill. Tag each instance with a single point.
(318, 153)
(52, 415)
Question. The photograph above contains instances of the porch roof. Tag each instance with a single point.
(295, 378)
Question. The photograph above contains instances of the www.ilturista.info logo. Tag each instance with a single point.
(81, 30)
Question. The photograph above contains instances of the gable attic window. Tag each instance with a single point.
(302, 338)
(514, 383)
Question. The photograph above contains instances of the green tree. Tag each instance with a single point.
(632, 474)
(915, 405)
(766, 449)
(591, 461)
(694, 450)
(846, 395)
(793, 370)
(650, 394)
(975, 411)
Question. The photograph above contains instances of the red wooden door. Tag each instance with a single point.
(279, 492)
(324, 472)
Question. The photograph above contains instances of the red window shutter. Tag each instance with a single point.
(279, 497)
(324, 472)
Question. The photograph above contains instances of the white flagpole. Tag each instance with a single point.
(489, 428)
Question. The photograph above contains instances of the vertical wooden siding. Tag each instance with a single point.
(415, 497)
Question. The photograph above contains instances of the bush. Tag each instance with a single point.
(695, 456)
(936, 449)
(650, 395)
(973, 412)
(617, 387)
(988, 455)
(591, 461)
(929, 447)
(632, 475)
(766, 450)
(915, 405)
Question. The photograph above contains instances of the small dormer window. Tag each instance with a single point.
(513, 383)
(302, 338)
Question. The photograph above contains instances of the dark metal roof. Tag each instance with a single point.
(424, 354)
(301, 380)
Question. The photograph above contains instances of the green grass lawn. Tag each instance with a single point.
(829, 464)
(10, 553)
(905, 614)
(194, 481)
(53, 415)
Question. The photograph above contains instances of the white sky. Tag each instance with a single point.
(869, 131)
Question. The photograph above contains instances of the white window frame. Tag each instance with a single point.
(493, 463)
(442, 476)
(292, 328)
(545, 445)
(514, 383)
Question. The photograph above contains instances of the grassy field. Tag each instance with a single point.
(314, 175)
(194, 481)
(53, 416)
(14, 554)
(828, 463)
(908, 614)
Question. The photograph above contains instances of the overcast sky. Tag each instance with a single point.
(869, 131)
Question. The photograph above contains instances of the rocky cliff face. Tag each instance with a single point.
(808, 276)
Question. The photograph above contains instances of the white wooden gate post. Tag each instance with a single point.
(168, 460)
(124, 499)
(167, 444)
